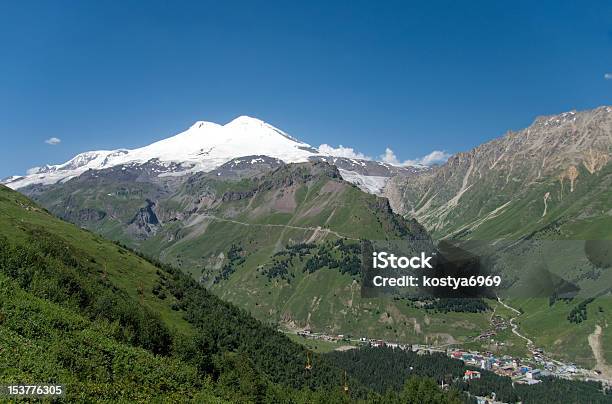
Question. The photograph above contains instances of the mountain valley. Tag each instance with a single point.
(276, 230)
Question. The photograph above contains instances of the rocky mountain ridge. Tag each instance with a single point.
(555, 154)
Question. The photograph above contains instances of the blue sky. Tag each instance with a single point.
(411, 76)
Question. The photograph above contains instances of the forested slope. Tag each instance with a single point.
(81, 311)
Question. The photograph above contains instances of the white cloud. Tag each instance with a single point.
(390, 158)
(342, 151)
(608, 76)
(435, 157)
(53, 141)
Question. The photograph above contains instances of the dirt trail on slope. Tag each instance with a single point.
(315, 229)
(597, 348)
(514, 326)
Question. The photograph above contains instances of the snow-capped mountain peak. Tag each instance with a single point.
(204, 146)
(246, 120)
(250, 124)
(203, 124)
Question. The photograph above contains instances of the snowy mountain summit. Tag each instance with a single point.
(206, 146)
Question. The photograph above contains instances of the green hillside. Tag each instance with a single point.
(581, 213)
(74, 311)
(111, 325)
(236, 235)
(228, 233)
(549, 182)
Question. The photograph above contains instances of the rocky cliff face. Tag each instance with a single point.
(559, 155)
(145, 222)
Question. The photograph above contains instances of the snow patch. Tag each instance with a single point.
(369, 183)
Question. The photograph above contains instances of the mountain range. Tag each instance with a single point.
(113, 325)
(272, 225)
(552, 177)
(206, 146)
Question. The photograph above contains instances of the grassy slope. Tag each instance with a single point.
(280, 214)
(128, 271)
(339, 309)
(59, 343)
(50, 344)
(54, 344)
(568, 341)
(196, 245)
(580, 215)
(584, 214)
(326, 300)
